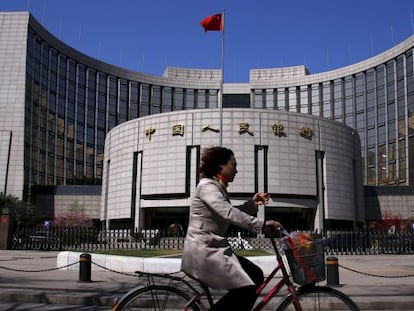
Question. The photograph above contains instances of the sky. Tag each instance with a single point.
(148, 36)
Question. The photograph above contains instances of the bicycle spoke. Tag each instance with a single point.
(156, 298)
(320, 298)
(161, 299)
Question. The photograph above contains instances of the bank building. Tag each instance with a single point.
(333, 149)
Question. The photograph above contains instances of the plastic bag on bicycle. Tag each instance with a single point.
(305, 256)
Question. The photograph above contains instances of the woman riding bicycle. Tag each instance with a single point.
(207, 254)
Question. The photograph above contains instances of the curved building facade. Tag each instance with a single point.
(59, 104)
(151, 167)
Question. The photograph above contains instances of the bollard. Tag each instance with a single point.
(332, 274)
(85, 264)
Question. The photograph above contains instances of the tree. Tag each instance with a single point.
(73, 217)
(389, 221)
(22, 213)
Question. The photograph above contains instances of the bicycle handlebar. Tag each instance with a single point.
(273, 232)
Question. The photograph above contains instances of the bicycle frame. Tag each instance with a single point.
(285, 281)
(275, 289)
(200, 293)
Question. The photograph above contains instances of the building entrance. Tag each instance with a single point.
(165, 218)
(292, 218)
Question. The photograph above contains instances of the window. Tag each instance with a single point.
(338, 98)
(144, 100)
(123, 101)
(402, 161)
(101, 101)
(270, 99)
(360, 120)
(327, 100)
(213, 99)
(178, 99)
(371, 137)
(166, 104)
(293, 102)
(381, 134)
(189, 99)
(134, 101)
(305, 92)
(91, 98)
(371, 118)
(349, 95)
(371, 174)
(281, 99)
(155, 99)
(201, 99)
(391, 111)
(258, 98)
(390, 75)
(236, 101)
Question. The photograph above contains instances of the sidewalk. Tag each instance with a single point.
(395, 292)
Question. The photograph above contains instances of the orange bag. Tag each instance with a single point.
(305, 257)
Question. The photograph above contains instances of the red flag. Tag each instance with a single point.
(213, 23)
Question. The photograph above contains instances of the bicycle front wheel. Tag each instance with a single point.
(319, 298)
(156, 297)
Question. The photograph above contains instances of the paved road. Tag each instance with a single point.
(15, 306)
(29, 280)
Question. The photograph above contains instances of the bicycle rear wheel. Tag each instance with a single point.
(319, 298)
(156, 297)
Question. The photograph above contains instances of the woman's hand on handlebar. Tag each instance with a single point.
(273, 225)
(275, 229)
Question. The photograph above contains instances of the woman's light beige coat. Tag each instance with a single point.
(207, 254)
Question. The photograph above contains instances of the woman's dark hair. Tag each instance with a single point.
(212, 158)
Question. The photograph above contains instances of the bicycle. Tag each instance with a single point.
(307, 267)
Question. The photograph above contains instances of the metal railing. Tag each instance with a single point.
(337, 242)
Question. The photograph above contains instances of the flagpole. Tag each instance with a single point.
(216, 23)
(221, 80)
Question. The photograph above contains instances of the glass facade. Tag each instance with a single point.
(378, 103)
(70, 105)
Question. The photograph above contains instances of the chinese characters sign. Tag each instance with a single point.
(278, 129)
